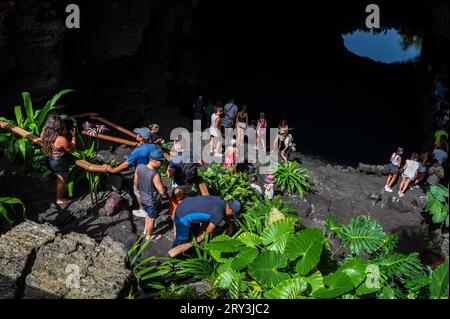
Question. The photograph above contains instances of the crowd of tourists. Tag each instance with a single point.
(146, 159)
(219, 117)
(428, 168)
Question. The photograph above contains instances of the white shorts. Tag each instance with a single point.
(214, 132)
(242, 125)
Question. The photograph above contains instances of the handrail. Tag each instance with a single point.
(103, 168)
(36, 140)
(111, 138)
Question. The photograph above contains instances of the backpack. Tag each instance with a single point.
(187, 172)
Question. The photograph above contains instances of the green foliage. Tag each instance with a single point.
(306, 244)
(10, 202)
(265, 268)
(290, 177)
(259, 216)
(78, 174)
(364, 235)
(271, 257)
(150, 269)
(223, 183)
(439, 282)
(288, 289)
(178, 292)
(437, 205)
(400, 265)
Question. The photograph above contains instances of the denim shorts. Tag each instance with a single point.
(393, 169)
(152, 211)
(58, 165)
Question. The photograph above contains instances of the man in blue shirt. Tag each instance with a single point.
(140, 155)
(210, 209)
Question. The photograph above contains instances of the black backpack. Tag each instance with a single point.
(187, 172)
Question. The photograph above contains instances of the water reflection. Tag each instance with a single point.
(387, 46)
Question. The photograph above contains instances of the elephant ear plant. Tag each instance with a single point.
(272, 257)
(437, 205)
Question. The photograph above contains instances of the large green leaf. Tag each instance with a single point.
(230, 280)
(249, 239)
(288, 289)
(337, 284)
(4, 213)
(19, 116)
(315, 281)
(278, 233)
(355, 269)
(28, 107)
(387, 293)
(226, 246)
(363, 234)
(223, 244)
(264, 268)
(399, 265)
(49, 106)
(244, 258)
(308, 244)
(13, 201)
(439, 281)
(440, 192)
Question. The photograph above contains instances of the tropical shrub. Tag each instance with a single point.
(290, 177)
(437, 205)
(78, 174)
(260, 215)
(10, 202)
(223, 183)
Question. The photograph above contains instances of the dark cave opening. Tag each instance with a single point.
(288, 61)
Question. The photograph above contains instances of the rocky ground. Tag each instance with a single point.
(37, 261)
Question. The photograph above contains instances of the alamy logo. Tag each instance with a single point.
(73, 19)
(373, 19)
(373, 276)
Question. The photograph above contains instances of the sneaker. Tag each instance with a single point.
(401, 195)
(139, 213)
(218, 155)
(387, 189)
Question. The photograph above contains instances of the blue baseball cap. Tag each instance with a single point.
(157, 155)
(143, 131)
(235, 206)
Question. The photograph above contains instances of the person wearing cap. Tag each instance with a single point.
(212, 209)
(140, 155)
(269, 186)
(149, 184)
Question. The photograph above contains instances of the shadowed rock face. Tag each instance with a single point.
(37, 263)
(38, 54)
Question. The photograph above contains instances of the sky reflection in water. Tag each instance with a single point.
(387, 46)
